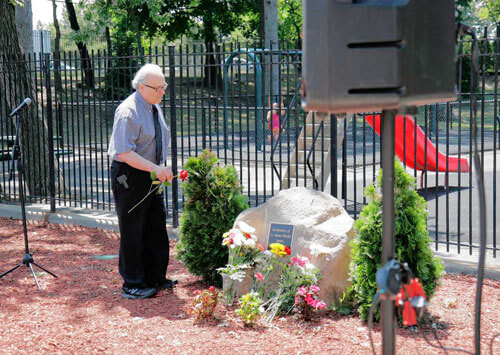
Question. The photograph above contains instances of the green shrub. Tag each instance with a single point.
(213, 201)
(411, 243)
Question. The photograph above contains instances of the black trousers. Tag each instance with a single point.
(144, 247)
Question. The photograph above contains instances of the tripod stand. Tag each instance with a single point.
(16, 156)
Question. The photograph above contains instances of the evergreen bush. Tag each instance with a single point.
(213, 201)
(411, 243)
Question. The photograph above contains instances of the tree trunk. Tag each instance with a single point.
(24, 24)
(82, 48)
(16, 85)
(212, 75)
(57, 51)
(271, 62)
(109, 46)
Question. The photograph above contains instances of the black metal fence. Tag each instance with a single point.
(220, 99)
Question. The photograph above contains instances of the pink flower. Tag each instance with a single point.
(320, 305)
(195, 292)
(314, 288)
(302, 291)
(211, 289)
(259, 276)
(314, 303)
(299, 261)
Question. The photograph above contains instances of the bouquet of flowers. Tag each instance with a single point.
(243, 248)
(298, 272)
(306, 301)
(269, 265)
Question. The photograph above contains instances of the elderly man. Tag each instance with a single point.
(138, 146)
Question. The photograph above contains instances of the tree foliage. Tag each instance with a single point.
(290, 21)
(213, 201)
(411, 242)
(488, 10)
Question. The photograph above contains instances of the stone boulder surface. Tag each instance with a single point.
(322, 232)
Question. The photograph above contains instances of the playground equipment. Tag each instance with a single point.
(416, 150)
(253, 56)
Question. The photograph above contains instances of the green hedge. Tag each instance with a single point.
(213, 201)
(411, 243)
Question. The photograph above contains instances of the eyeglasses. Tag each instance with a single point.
(158, 89)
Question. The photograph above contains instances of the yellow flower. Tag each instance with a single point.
(278, 249)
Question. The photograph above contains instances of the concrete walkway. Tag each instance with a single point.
(454, 263)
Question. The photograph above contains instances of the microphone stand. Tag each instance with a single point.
(16, 155)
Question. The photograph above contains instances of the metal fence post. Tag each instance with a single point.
(344, 162)
(50, 133)
(333, 155)
(203, 129)
(173, 135)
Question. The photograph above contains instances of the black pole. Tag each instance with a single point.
(50, 134)
(173, 135)
(18, 156)
(387, 310)
(344, 162)
(333, 155)
(203, 129)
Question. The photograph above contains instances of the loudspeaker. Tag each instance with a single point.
(369, 55)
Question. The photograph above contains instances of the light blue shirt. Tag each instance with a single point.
(134, 130)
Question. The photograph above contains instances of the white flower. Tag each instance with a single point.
(238, 276)
(249, 243)
(309, 267)
(245, 228)
(238, 240)
(317, 250)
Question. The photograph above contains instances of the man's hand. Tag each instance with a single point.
(136, 161)
(163, 173)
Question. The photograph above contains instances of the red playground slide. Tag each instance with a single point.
(436, 161)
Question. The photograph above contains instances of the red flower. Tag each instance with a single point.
(248, 235)
(309, 300)
(183, 175)
(211, 289)
(288, 251)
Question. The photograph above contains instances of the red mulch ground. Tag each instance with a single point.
(82, 311)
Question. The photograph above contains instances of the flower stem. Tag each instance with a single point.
(149, 193)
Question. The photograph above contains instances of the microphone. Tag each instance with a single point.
(26, 102)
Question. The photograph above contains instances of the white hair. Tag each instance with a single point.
(144, 72)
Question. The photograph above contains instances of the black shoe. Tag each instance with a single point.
(166, 285)
(138, 293)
